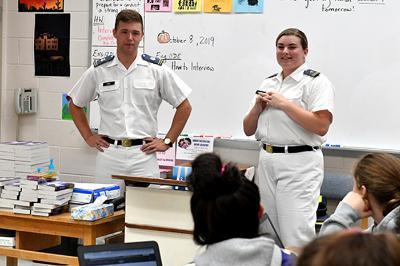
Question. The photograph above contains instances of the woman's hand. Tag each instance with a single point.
(261, 101)
(358, 203)
(276, 100)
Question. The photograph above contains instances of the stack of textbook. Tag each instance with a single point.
(7, 163)
(30, 192)
(7, 238)
(30, 156)
(9, 196)
(20, 158)
(54, 198)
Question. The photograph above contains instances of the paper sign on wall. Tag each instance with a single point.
(189, 147)
(166, 158)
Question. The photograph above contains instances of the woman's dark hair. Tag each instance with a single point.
(294, 32)
(352, 248)
(224, 203)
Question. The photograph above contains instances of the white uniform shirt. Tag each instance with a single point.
(275, 127)
(129, 99)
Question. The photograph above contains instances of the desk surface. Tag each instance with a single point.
(34, 233)
(60, 218)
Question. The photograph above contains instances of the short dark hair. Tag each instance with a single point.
(128, 15)
(224, 203)
(295, 32)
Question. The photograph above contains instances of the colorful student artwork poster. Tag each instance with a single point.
(65, 113)
(248, 6)
(189, 147)
(158, 5)
(40, 5)
(166, 158)
(52, 44)
(217, 6)
(187, 6)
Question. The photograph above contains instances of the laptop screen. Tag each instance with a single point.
(136, 254)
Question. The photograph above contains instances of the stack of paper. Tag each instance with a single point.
(7, 165)
(19, 158)
(29, 156)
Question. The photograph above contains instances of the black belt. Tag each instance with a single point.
(288, 149)
(125, 142)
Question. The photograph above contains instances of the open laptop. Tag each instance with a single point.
(136, 253)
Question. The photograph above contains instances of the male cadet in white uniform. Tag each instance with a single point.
(130, 88)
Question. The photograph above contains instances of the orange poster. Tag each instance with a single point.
(40, 5)
(217, 6)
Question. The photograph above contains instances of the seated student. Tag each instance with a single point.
(226, 213)
(376, 194)
(351, 248)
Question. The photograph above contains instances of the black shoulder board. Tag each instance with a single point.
(274, 75)
(106, 59)
(311, 73)
(152, 59)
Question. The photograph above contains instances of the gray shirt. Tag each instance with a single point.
(345, 216)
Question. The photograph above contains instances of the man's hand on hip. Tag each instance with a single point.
(153, 145)
(96, 141)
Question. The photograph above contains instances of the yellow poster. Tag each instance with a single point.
(187, 6)
(217, 6)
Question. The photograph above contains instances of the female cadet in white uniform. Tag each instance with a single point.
(130, 88)
(290, 119)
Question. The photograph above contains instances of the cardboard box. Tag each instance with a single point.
(89, 192)
(91, 212)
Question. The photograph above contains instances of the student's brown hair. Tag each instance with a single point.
(352, 248)
(380, 174)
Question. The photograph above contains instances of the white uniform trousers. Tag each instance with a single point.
(118, 160)
(290, 186)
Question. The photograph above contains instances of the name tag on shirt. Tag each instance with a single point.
(109, 83)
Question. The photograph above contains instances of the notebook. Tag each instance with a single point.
(136, 253)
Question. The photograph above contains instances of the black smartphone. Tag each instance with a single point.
(260, 91)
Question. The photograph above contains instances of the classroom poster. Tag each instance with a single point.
(217, 6)
(166, 158)
(189, 147)
(248, 6)
(65, 113)
(40, 5)
(52, 45)
(187, 6)
(158, 5)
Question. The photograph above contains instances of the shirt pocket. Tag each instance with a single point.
(143, 91)
(110, 93)
(295, 96)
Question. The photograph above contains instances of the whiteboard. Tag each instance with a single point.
(225, 57)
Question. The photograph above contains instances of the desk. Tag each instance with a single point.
(34, 233)
(162, 215)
